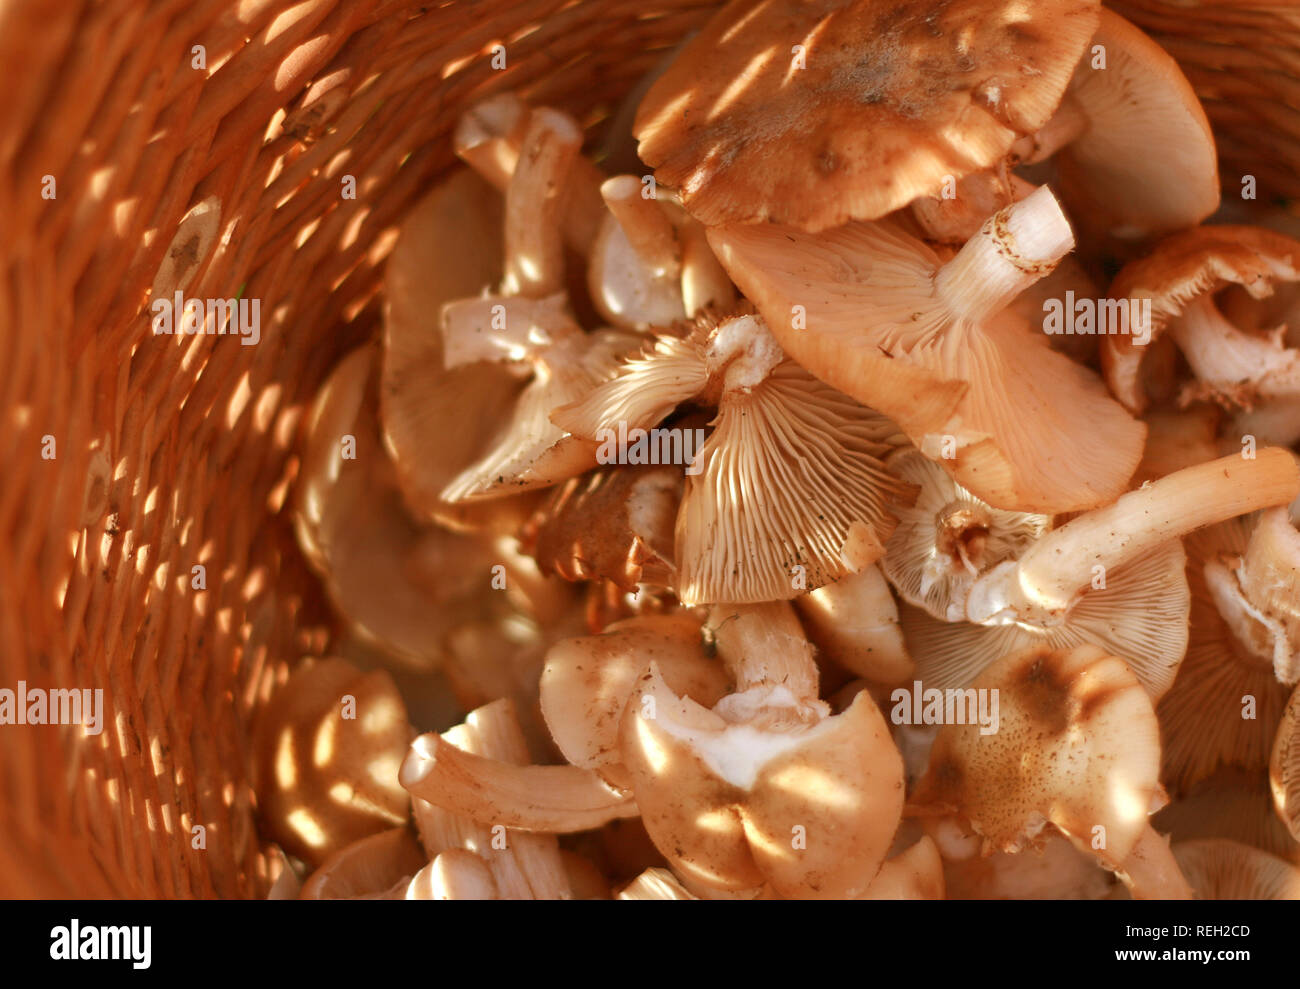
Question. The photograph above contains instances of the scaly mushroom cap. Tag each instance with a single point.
(1077, 746)
(1284, 767)
(881, 105)
(948, 537)
(1219, 869)
(1140, 100)
(1186, 268)
(326, 751)
(876, 313)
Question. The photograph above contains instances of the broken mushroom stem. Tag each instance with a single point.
(1046, 580)
(769, 660)
(1014, 248)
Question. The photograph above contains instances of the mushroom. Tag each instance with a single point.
(523, 865)
(1176, 440)
(1284, 767)
(948, 538)
(612, 524)
(766, 788)
(854, 622)
(369, 868)
(756, 524)
(915, 874)
(1053, 869)
(1233, 803)
(875, 313)
(455, 874)
(655, 884)
(1077, 747)
(326, 749)
(1177, 281)
(878, 106)
(1227, 870)
(1225, 704)
(390, 577)
(651, 264)
(1112, 115)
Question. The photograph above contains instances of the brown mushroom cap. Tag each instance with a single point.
(1140, 100)
(326, 750)
(888, 103)
(1183, 268)
(1218, 869)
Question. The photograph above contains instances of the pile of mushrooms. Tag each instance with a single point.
(796, 514)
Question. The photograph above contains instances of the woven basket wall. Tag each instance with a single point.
(172, 452)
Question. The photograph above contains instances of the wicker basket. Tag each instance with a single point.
(176, 452)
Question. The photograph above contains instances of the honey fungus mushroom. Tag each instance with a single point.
(767, 788)
(755, 524)
(1078, 747)
(1178, 281)
(876, 106)
(931, 344)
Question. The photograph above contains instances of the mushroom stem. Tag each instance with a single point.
(502, 328)
(645, 225)
(456, 874)
(704, 281)
(1018, 245)
(559, 799)
(1223, 356)
(534, 245)
(1067, 123)
(487, 138)
(1150, 871)
(762, 645)
(1050, 574)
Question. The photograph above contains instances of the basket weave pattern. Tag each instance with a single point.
(179, 451)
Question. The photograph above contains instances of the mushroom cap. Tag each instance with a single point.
(1219, 869)
(986, 397)
(726, 802)
(889, 102)
(447, 248)
(948, 537)
(612, 524)
(1140, 100)
(1140, 615)
(325, 773)
(915, 874)
(1201, 717)
(1077, 746)
(1054, 870)
(586, 683)
(1284, 767)
(1181, 269)
(369, 867)
(386, 574)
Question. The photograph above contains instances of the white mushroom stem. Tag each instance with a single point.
(855, 622)
(524, 866)
(534, 200)
(704, 281)
(1224, 356)
(1150, 871)
(1016, 246)
(555, 799)
(456, 874)
(763, 646)
(503, 328)
(645, 225)
(1049, 576)
(1067, 123)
